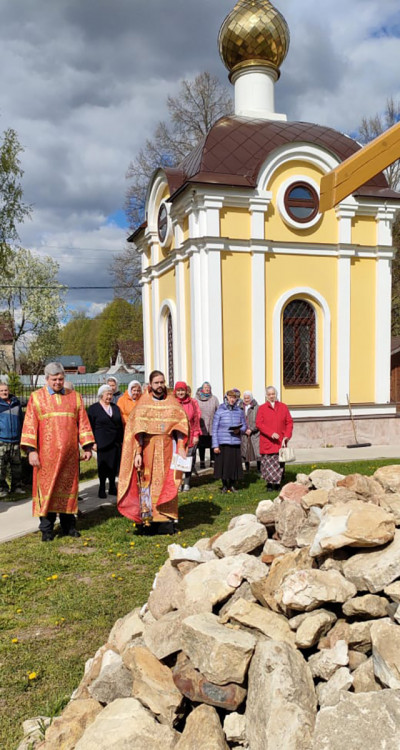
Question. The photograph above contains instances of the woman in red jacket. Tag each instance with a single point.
(276, 427)
(193, 413)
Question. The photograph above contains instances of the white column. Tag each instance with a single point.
(258, 333)
(343, 329)
(258, 207)
(385, 217)
(155, 307)
(345, 212)
(146, 325)
(196, 317)
(382, 330)
(181, 362)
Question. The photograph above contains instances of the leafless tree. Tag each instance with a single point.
(197, 106)
(371, 127)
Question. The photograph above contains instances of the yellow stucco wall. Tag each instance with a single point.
(364, 230)
(236, 320)
(167, 286)
(362, 330)
(235, 223)
(325, 231)
(286, 272)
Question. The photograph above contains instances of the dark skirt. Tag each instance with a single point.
(271, 468)
(108, 460)
(228, 463)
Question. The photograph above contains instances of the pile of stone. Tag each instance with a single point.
(281, 633)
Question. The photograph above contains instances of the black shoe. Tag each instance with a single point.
(113, 491)
(233, 489)
(202, 464)
(47, 536)
(102, 494)
(224, 490)
(72, 532)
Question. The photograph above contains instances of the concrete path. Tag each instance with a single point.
(16, 519)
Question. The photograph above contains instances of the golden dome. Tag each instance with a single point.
(253, 33)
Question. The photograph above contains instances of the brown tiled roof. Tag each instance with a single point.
(132, 351)
(6, 329)
(235, 148)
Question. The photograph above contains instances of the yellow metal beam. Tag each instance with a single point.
(359, 168)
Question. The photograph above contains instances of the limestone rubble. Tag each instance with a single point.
(276, 634)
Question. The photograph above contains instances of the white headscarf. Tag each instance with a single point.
(103, 389)
(131, 384)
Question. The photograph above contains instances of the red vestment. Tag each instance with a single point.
(54, 425)
(155, 421)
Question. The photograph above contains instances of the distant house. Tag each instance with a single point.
(6, 342)
(131, 353)
(72, 364)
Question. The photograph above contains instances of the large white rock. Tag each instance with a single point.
(126, 630)
(242, 520)
(325, 663)
(235, 727)
(313, 626)
(178, 554)
(365, 721)
(390, 501)
(325, 479)
(202, 730)
(126, 724)
(364, 679)
(385, 637)
(281, 701)
(305, 590)
(369, 605)
(267, 511)
(372, 571)
(329, 692)
(220, 653)
(153, 684)
(166, 594)
(272, 625)
(353, 524)
(242, 538)
(214, 581)
(389, 477)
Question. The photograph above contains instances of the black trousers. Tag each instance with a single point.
(67, 522)
(205, 442)
(108, 464)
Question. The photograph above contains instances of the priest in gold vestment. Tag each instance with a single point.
(147, 485)
(55, 423)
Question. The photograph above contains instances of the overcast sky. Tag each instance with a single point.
(84, 82)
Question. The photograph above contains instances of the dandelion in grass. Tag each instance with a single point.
(111, 551)
(113, 575)
(32, 676)
(5, 575)
(157, 545)
(119, 554)
(54, 577)
(210, 497)
(132, 544)
(14, 640)
(120, 578)
(19, 611)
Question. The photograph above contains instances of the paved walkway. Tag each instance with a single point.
(16, 519)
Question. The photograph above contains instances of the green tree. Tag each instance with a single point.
(32, 297)
(79, 337)
(119, 321)
(13, 210)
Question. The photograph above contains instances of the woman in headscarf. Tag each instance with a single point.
(228, 426)
(106, 423)
(129, 399)
(193, 413)
(251, 438)
(208, 404)
(276, 426)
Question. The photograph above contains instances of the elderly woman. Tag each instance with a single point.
(251, 438)
(129, 399)
(192, 411)
(116, 393)
(228, 426)
(276, 426)
(208, 404)
(106, 423)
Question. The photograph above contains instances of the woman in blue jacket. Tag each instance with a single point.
(228, 426)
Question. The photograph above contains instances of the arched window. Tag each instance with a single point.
(299, 343)
(170, 351)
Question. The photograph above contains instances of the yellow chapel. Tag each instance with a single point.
(245, 283)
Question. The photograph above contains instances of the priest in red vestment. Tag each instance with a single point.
(55, 423)
(148, 486)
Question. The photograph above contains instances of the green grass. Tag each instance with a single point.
(60, 600)
(87, 470)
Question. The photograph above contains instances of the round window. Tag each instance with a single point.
(301, 202)
(162, 223)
